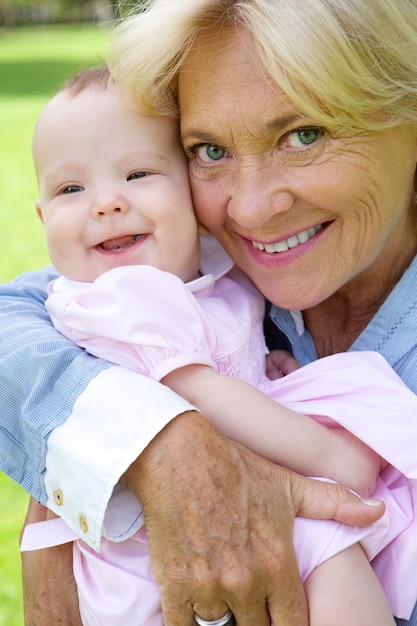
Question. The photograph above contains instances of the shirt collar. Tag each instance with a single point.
(215, 263)
(392, 331)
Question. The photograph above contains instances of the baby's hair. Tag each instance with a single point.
(97, 76)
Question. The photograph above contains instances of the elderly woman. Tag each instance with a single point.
(300, 122)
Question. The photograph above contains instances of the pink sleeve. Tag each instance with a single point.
(360, 392)
(138, 317)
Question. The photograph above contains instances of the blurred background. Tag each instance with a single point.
(31, 12)
(41, 44)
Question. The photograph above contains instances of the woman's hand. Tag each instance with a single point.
(220, 523)
(49, 589)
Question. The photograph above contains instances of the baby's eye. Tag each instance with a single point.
(208, 153)
(136, 175)
(303, 137)
(72, 189)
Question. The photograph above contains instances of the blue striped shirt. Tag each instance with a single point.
(392, 332)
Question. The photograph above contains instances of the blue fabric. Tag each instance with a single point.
(41, 376)
(392, 333)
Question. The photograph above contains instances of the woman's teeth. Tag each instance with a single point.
(291, 242)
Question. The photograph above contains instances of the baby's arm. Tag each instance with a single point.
(240, 411)
(245, 414)
(344, 590)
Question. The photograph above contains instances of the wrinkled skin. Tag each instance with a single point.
(209, 550)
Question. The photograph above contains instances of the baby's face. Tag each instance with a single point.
(114, 188)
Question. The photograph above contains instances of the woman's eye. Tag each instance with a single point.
(136, 175)
(72, 189)
(303, 137)
(208, 153)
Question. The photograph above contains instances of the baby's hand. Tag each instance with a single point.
(279, 363)
(352, 463)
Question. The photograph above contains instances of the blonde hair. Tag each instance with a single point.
(349, 64)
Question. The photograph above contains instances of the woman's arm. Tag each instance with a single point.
(41, 374)
(49, 588)
(245, 414)
(219, 523)
(69, 422)
(219, 518)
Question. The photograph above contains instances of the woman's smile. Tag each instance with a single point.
(289, 243)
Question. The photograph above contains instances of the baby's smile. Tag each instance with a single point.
(120, 243)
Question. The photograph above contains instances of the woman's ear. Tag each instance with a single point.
(202, 230)
(39, 210)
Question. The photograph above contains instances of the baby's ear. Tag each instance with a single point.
(203, 231)
(39, 210)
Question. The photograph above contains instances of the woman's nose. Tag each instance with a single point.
(259, 193)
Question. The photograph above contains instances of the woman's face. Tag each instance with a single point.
(302, 212)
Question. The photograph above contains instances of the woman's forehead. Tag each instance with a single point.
(216, 62)
(213, 46)
(225, 78)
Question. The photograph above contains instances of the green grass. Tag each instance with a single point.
(33, 63)
(13, 507)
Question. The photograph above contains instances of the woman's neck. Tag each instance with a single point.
(338, 321)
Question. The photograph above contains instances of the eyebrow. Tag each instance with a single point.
(275, 124)
(284, 121)
(143, 153)
(202, 136)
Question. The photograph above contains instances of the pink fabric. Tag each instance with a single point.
(116, 587)
(163, 325)
(387, 424)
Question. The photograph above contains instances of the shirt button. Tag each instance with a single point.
(58, 497)
(83, 523)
